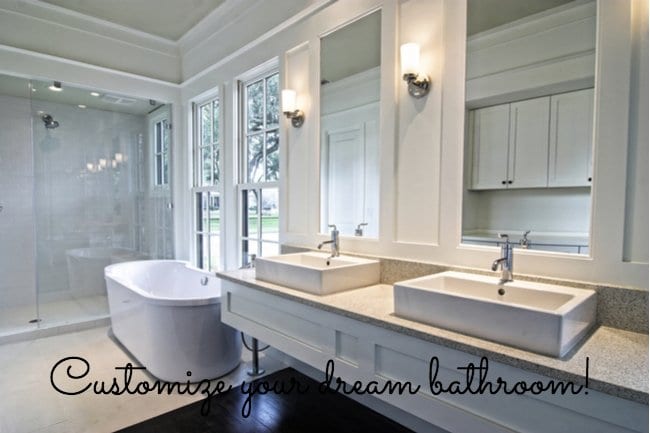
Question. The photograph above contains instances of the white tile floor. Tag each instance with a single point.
(29, 403)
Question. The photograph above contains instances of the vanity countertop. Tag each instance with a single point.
(618, 359)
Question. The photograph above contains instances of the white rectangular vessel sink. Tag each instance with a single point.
(317, 273)
(542, 318)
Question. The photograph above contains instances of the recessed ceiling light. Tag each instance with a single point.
(94, 93)
(33, 89)
(81, 106)
(56, 86)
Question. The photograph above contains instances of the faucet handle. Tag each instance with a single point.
(504, 236)
(333, 226)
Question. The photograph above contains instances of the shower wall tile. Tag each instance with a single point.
(17, 258)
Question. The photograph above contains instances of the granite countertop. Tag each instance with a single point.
(618, 359)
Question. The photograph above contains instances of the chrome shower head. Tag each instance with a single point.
(49, 121)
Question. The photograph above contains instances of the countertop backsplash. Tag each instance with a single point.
(618, 307)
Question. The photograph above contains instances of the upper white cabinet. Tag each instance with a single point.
(536, 143)
(528, 155)
(570, 153)
(489, 132)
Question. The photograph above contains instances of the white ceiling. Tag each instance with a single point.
(38, 91)
(169, 19)
(486, 14)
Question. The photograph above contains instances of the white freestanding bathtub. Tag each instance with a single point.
(167, 314)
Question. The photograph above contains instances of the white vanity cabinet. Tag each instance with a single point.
(570, 152)
(364, 351)
(535, 143)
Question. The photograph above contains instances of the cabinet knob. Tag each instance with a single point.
(510, 182)
(503, 182)
(589, 179)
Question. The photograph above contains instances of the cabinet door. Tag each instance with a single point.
(528, 162)
(571, 138)
(490, 133)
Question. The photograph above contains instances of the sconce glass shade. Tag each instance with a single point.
(410, 58)
(288, 101)
(290, 110)
(418, 82)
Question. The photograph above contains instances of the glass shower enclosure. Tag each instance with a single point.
(84, 183)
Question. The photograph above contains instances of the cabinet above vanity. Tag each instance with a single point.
(535, 143)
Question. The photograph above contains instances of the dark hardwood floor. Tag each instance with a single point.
(312, 412)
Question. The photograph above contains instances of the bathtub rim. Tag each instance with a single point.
(109, 274)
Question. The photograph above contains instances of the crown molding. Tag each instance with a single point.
(306, 12)
(78, 64)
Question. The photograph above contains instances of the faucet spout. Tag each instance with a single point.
(497, 262)
(505, 261)
(334, 242)
(323, 243)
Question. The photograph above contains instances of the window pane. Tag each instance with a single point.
(201, 214)
(255, 158)
(215, 165)
(272, 156)
(158, 138)
(248, 247)
(250, 225)
(214, 213)
(165, 169)
(272, 102)
(165, 136)
(206, 125)
(206, 166)
(158, 169)
(214, 253)
(203, 253)
(215, 121)
(270, 214)
(270, 249)
(255, 106)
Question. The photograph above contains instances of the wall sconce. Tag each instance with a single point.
(418, 83)
(289, 108)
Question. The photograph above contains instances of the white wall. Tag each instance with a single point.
(554, 210)
(421, 140)
(636, 215)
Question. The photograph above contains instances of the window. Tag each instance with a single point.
(260, 165)
(160, 134)
(157, 207)
(206, 191)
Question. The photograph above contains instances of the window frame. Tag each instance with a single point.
(243, 185)
(197, 188)
(163, 117)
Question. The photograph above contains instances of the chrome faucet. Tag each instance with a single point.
(505, 261)
(525, 242)
(359, 230)
(334, 241)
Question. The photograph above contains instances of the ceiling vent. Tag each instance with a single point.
(117, 99)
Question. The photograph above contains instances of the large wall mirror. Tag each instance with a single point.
(349, 127)
(529, 123)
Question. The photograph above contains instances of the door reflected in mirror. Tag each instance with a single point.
(349, 127)
(529, 123)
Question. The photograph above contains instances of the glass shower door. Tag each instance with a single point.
(18, 295)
